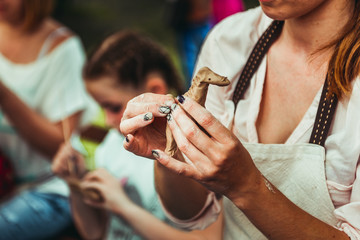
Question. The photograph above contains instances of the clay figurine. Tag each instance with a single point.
(197, 91)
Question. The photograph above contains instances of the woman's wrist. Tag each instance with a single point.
(123, 206)
(249, 192)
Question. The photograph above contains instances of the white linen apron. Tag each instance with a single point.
(298, 171)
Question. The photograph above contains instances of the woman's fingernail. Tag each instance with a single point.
(164, 109)
(148, 116)
(155, 154)
(181, 99)
(174, 106)
(169, 117)
(127, 139)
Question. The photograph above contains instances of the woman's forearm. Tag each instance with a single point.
(278, 218)
(90, 222)
(37, 131)
(153, 228)
(175, 190)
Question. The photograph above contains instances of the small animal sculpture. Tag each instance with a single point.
(197, 91)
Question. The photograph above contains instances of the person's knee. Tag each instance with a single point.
(26, 215)
(10, 224)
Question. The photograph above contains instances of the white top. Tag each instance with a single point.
(140, 187)
(226, 51)
(53, 87)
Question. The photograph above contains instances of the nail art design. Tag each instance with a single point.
(127, 139)
(148, 116)
(181, 99)
(155, 154)
(164, 109)
(174, 106)
(169, 117)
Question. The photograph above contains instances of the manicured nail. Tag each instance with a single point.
(127, 139)
(169, 117)
(148, 116)
(181, 99)
(155, 154)
(164, 109)
(174, 106)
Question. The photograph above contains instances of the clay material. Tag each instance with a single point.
(197, 92)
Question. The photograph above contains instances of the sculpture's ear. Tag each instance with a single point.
(216, 80)
(206, 75)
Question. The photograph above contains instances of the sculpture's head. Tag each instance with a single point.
(206, 75)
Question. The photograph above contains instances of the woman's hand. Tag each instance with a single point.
(216, 159)
(68, 163)
(109, 187)
(144, 123)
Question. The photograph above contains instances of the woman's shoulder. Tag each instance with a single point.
(249, 24)
(355, 92)
(59, 37)
(58, 32)
(347, 110)
(230, 42)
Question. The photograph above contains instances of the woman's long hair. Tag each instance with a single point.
(344, 65)
(35, 11)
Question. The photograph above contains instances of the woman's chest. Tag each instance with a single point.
(23, 50)
(288, 91)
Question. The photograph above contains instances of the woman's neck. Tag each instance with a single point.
(15, 41)
(318, 28)
(12, 29)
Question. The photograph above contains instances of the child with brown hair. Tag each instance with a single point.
(125, 65)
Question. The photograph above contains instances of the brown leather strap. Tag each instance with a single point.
(327, 105)
(256, 56)
(324, 116)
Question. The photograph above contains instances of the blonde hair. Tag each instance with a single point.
(344, 65)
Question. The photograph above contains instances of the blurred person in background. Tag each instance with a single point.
(42, 99)
(192, 20)
(125, 65)
(224, 8)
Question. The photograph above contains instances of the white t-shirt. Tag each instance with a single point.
(140, 187)
(226, 51)
(53, 87)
